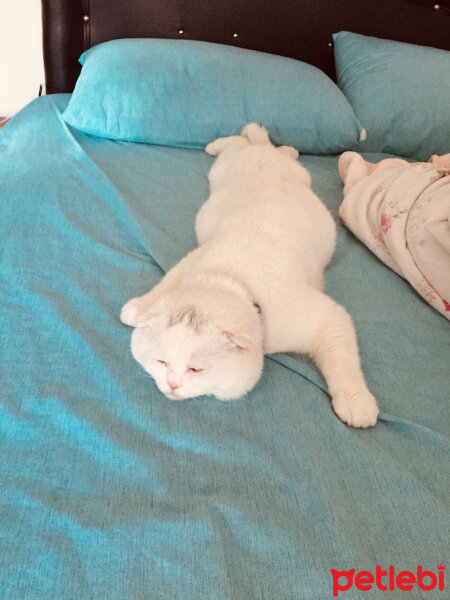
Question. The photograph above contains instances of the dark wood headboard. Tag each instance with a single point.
(299, 29)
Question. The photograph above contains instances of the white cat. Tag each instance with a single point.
(253, 286)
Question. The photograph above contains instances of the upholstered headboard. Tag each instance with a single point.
(299, 29)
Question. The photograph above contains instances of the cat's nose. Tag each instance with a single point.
(173, 386)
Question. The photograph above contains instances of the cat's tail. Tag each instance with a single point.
(256, 134)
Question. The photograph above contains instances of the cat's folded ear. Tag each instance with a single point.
(240, 340)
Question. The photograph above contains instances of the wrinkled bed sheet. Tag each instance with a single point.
(110, 491)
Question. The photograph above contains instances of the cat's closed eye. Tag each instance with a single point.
(192, 370)
(162, 362)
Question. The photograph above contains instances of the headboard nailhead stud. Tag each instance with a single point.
(86, 18)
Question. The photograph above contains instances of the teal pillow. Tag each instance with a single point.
(186, 93)
(400, 92)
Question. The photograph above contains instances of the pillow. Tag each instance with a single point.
(400, 92)
(187, 93)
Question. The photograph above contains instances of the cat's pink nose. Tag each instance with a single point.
(173, 386)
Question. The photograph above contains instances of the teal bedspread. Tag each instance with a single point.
(109, 491)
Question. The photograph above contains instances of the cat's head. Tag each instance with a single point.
(200, 343)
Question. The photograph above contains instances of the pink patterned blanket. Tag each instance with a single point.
(401, 211)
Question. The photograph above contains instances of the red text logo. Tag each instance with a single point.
(388, 580)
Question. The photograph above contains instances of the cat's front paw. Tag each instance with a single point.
(356, 408)
(131, 311)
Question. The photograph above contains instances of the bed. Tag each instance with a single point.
(110, 491)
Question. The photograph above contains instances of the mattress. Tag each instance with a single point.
(110, 491)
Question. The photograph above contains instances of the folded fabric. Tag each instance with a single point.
(401, 212)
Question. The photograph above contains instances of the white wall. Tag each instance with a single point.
(21, 63)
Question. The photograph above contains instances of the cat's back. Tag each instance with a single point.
(263, 215)
(268, 194)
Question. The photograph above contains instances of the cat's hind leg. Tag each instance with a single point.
(288, 151)
(217, 146)
(324, 330)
